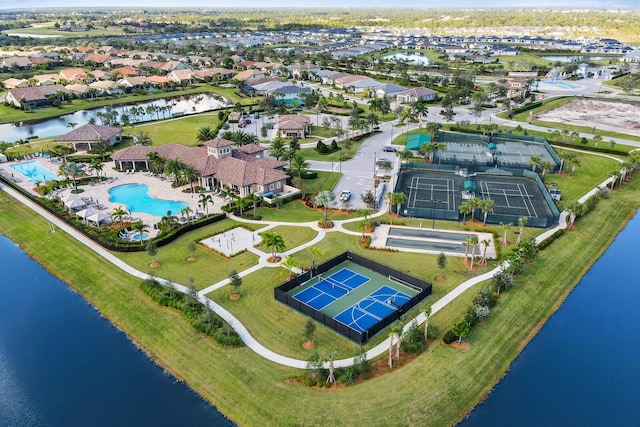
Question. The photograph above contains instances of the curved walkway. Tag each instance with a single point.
(247, 338)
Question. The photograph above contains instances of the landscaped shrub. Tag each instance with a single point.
(413, 339)
(200, 317)
(546, 242)
(449, 337)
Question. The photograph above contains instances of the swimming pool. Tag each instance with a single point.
(136, 198)
(34, 172)
(136, 237)
(429, 234)
(561, 84)
(426, 245)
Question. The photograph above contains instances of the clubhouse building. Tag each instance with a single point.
(219, 162)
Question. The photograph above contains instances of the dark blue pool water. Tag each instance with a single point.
(61, 364)
(583, 368)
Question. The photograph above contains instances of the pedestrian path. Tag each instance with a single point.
(245, 335)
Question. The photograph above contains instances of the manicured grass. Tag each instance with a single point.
(293, 236)
(48, 29)
(592, 171)
(182, 130)
(271, 321)
(324, 181)
(437, 388)
(343, 154)
(296, 211)
(209, 267)
(322, 132)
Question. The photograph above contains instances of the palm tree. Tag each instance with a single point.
(467, 245)
(156, 161)
(421, 111)
(534, 161)
(505, 232)
(174, 167)
(464, 209)
(298, 164)
(315, 252)
(522, 221)
(140, 228)
(375, 104)
(427, 312)
(167, 222)
(205, 199)
(205, 134)
(574, 209)
(73, 170)
(274, 242)
(399, 198)
(474, 245)
(190, 174)
(485, 244)
(72, 125)
(277, 148)
(254, 199)
(432, 128)
(118, 214)
(397, 332)
(487, 206)
(475, 203)
(290, 263)
(97, 166)
(187, 212)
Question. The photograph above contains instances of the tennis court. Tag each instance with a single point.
(431, 192)
(373, 308)
(331, 288)
(353, 295)
(510, 198)
(439, 193)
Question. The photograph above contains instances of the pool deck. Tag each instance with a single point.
(99, 192)
(381, 233)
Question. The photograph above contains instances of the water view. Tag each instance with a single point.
(136, 113)
(137, 199)
(566, 58)
(582, 369)
(62, 364)
(409, 57)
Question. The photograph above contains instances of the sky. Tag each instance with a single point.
(212, 4)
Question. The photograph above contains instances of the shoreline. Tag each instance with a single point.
(155, 353)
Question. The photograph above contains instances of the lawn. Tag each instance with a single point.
(183, 130)
(592, 171)
(270, 321)
(48, 29)
(343, 154)
(296, 211)
(293, 236)
(209, 266)
(438, 388)
(323, 181)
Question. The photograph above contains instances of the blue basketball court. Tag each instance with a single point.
(331, 288)
(373, 308)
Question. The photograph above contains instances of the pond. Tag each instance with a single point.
(136, 113)
(63, 364)
(582, 369)
(577, 58)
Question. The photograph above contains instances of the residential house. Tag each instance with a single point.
(219, 162)
(181, 76)
(389, 90)
(127, 71)
(248, 76)
(47, 79)
(74, 75)
(77, 90)
(96, 59)
(132, 83)
(85, 136)
(174, 66)
(355, 84)
(106, 87)
(416, 94)
(12, 83)
(27, 98)
(11, 63)
(293, 125)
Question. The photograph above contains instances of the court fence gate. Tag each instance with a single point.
(281, 294)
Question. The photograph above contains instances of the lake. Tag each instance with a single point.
(582, 369)
(62, 364)
(566, 58)
(183, 105)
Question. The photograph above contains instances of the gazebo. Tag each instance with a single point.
(86, 135)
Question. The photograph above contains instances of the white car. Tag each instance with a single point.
(345, 196)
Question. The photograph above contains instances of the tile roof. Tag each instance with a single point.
(90, 132)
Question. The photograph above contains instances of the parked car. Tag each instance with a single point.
(256, 115)
(344, 196)
(389, 149)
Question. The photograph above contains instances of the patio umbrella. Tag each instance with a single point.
(99, 217)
